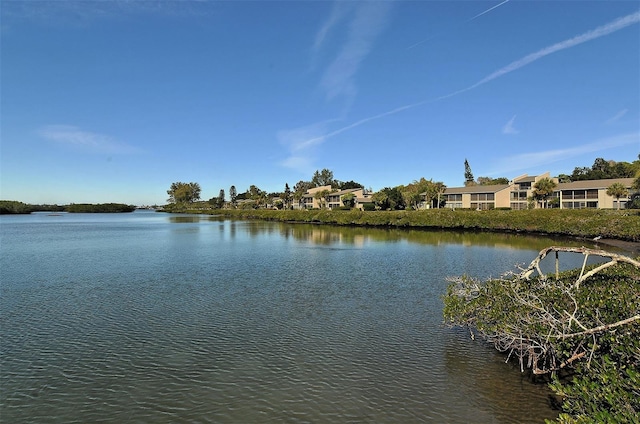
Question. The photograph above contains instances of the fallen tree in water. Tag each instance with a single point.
(583, 323)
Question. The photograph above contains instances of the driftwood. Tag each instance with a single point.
(614, 259)
(536, 351)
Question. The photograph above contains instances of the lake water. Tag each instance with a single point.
(150, 317)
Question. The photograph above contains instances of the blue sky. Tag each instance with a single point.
(112, 101)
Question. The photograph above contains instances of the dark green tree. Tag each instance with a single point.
(323, 178)
(564, 178)
(300, 189)
(233, 196)
(468, 175)
(389, 199)
(184, 192)
(345, 185)
(287, 196)
(485, 181)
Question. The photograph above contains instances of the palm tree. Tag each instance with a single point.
(617, 190)
(543, 189)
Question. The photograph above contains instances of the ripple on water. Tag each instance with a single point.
(265, 341)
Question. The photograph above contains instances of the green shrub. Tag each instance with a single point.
(558, 327)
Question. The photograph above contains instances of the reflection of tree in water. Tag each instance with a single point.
(327, 234)
(184, 219)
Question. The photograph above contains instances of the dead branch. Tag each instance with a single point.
(599, 328)
(614, 259)
(555, 321)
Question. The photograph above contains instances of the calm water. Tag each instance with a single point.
(149, 317)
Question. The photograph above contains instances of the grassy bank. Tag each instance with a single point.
(587, 223)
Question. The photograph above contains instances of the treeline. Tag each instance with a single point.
(99, 208)
(12, 207)
(603, 169)
(402, 197)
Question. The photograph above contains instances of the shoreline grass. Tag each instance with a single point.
(583, 223)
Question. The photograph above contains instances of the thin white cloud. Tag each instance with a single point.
(300, 143)
(487, 11)
(90, 142)
(509, 128)
(83, 11)
(617, 116)
(467, 21)
(523, 161)
(369, 19)
(338, 12)
(365, 20)
(601, 31)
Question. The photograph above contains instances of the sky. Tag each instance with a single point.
(114, 100)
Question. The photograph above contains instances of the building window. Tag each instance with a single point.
(482, 205)
(519, 206)
(482, 197)
(519, 195)
(524, 186)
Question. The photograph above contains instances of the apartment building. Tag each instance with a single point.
(516, 194)
(334, 199)
(591, 194)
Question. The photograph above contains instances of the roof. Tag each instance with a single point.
(345, 191)
(477, 189)
(595, 184)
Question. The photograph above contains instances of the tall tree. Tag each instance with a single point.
(180, 192)
(323, 178)
(287, 196)
(300, 189)
(468, 175)
(617, 190)
(233, 196)
(254, 192)
(543, 189)
(221, 199)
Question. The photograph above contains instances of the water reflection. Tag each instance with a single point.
(160, 318)
(327, 234)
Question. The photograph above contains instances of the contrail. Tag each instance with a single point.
(311, 141)
(487, 11)
(601, 31)
(467, 21)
